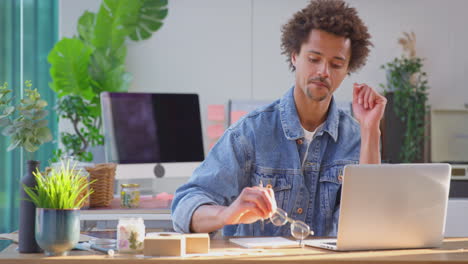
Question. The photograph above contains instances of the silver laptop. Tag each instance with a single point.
(391, 206)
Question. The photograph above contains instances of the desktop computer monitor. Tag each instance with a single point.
(152, 134)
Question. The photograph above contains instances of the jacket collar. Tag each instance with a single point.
(292, 125)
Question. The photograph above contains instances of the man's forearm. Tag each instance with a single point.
(370, 146)
(207, 218)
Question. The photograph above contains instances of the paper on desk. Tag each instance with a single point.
(265, 242)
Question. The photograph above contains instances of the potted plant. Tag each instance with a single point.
(58, 196)
(27, 128)
(406, 91)
(93, 62)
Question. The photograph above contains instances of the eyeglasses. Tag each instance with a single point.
(299, 229)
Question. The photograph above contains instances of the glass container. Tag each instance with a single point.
(130, 195)
(130, 235)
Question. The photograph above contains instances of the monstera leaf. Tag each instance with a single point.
(112, 22)
(108, 71)
(69, 61)
(86, 26)
(149, 19)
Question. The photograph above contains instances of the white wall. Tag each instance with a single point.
(224, 49)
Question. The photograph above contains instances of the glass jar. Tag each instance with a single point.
(130, 235)
(130, 195)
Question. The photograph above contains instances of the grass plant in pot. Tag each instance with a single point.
(26, 126)
(58, 200)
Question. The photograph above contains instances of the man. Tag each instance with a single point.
(291, 154)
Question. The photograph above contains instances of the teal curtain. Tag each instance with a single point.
(28, 31)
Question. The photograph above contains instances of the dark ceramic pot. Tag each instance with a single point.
(27, 213)
(57, 231)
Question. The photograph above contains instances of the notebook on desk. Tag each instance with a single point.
(265, 242)
(391, 206)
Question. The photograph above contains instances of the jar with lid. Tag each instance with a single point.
(130, 195)
(130, 235)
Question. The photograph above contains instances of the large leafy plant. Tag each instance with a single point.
(93, 62)
(59, 188)
(25, 123)
(408, 82)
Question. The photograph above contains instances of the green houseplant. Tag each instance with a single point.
(58, 197)
(27, 128)
(407, 84)
(93, 62)
(25, 124)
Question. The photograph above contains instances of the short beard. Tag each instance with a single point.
(314, 98)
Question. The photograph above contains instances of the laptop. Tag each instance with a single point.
(391, 206)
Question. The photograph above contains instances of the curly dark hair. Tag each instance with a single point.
(333, 16)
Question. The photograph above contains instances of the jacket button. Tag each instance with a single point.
(299, 141)
(269, 186)
(299, 210)
(340, 178)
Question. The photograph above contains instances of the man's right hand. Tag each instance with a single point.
(253, 204)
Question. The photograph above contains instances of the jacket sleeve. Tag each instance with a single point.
(217, 181)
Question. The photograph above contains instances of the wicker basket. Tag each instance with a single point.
(103, 187)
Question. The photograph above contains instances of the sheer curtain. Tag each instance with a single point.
(28, 31)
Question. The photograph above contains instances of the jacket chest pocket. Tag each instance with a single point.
(280, 183)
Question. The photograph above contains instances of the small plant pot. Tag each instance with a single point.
(57, 231)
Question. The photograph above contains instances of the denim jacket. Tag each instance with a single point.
(264, 146)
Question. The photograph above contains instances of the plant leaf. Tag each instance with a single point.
(41, 104)
(43, 134)
(108, 72)
(40, 114)
(30, 147)
(69, 61)
(112, 24)
(4, 121)
(41, 123)
(14, 145)
(9, 130)
(86, 26)
(9, 110)
(28, 113)
(149, 19)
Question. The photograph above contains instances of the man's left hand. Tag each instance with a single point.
(368, 106)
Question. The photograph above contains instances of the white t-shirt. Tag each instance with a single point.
(309, 136)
